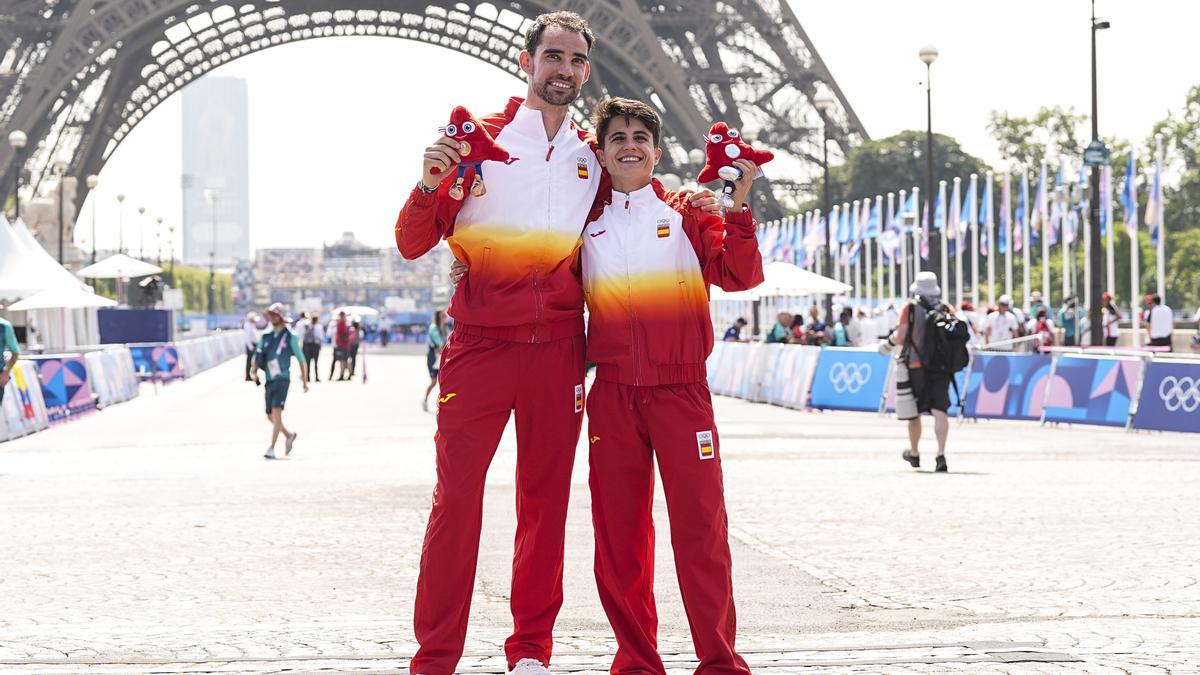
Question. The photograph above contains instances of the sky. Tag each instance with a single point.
(335, 145)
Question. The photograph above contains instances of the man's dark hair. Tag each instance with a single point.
(565, 20)
(611, 108)
(741, 321)
(1157, 299)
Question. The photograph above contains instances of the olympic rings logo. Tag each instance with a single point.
(849, 377)
(1179, 393)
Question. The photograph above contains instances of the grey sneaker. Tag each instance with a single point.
(287, 448)
(270, 453)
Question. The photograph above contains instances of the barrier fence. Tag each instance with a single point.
(56, 387)
(1138, 390)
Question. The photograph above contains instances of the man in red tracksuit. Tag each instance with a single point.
(518, 312)
(648, 260)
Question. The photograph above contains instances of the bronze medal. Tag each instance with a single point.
(464, 148)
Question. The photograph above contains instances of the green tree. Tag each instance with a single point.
(895, 163)
(1047, 135)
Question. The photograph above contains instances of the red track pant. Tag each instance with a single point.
(628, 427)
(482, 380)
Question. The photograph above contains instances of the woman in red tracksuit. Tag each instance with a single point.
(648, 260)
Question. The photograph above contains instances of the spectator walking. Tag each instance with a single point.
(314, 337)
(357, 333)
(734, 332)
(1111, 320)
(1160, 322)
(438, 334)
(1070, 319)
(8, 343)
(340, 330)
(1044, 329)
(385, 329)
(928, 362)
(274, 355)
(1001, 326)
(250, 331)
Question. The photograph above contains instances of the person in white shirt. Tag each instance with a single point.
(971, 318)
(1111, 318)
(250, 330)
(1161, 323)
(1001, 325)
(313, 336)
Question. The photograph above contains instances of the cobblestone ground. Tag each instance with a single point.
(152, 537)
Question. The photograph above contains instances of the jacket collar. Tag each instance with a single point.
(528, 122)
(652, 192)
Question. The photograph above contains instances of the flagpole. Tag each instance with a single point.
(868, 245)
(989, 223)
(1158, 215)
(1108, 211)
(955, 212)
(1085, 292)
(879, 249)
(911, 273)
(1044, 215)
(1026, 253)
(1008, 235)
(945, 278)
(891, 268)
(1135, 292)
(902, 260)
(820, 250)
(1061, 197)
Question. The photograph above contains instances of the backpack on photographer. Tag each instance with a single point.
(931, 341)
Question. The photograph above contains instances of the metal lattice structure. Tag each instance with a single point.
(78, 75)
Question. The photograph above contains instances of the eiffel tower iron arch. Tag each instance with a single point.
(83, 73)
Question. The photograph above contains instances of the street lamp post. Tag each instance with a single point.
(214, 196)
(171, 248)
(120, 223)
(17, 141)
(60, 169)
(92, 181)
(1095, 288)
(929, 54)
(141, 233)
(825, 105)
(158, 238)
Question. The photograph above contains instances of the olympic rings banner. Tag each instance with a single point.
(849, 379)
(1089, 390)
(1170, 399)
(1007, 386)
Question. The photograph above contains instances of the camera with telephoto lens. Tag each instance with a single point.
(906, 402)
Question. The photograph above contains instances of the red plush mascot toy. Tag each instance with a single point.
(475, 146)
(722, 146)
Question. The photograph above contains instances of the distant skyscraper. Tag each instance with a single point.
(216, 162)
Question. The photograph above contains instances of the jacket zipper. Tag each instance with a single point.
(537, 289)
(629, 293)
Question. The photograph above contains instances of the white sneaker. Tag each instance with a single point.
(270, 453)
(529, 667)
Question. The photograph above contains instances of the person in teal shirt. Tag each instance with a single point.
(437, 334)
(8, 343)
(275, 350)
(841, 330)
(1069, 319)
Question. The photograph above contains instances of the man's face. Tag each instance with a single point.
(275, 319)
(1003, 308)
(559, 67)
(629, 153)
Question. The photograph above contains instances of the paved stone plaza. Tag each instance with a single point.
(153, 537)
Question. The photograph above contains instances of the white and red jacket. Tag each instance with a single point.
(521, 239)
(648, 260)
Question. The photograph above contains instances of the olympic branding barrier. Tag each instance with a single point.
(765, 373)
(1092, 390)
(158, 362)
(1007, 386)
(850, 379)
(65, 385)
(112, 375)
(23, 410)
(1170, 397)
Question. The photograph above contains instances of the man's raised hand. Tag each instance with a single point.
(440, 158)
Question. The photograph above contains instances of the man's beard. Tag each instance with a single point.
(555, 96)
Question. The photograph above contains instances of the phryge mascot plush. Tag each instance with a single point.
(722, 146)
(475, 146)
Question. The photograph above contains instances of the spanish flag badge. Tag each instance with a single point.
(664, 228)
(704, 441)
(581, 167)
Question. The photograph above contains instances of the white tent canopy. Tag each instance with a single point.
(62, 298)
(26, 267)
(359, 310)
(119, 266)
(786, 279)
